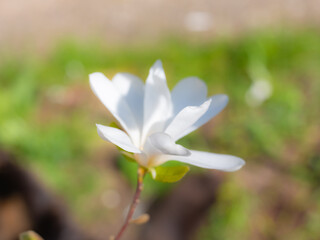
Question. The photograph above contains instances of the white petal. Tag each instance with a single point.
(109, 95)
(189, 91)
(218, 103)
(166, 145)
(185, 119)
(222, 162)
(157, 101)
(117, 137)
(132, 90)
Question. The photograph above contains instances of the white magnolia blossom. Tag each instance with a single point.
(153, 118)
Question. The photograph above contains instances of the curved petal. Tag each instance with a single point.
(157, 101)
(218, 103)
(185, 119)
(189, 91)
(117, 137)
(222, 162)
(109, 95)
(132, 90)
(166, 145)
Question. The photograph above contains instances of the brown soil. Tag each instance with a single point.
(37, 24)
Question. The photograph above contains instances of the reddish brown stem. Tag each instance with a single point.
(141, 173)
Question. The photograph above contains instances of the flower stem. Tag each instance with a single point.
(141, 174)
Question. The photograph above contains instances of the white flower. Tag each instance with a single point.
(259, 91)
(153, 118)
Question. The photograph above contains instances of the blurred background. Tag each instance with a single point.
(264, 54)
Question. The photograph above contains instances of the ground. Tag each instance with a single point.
(36, 24)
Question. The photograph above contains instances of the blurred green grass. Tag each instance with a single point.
(47, 116)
